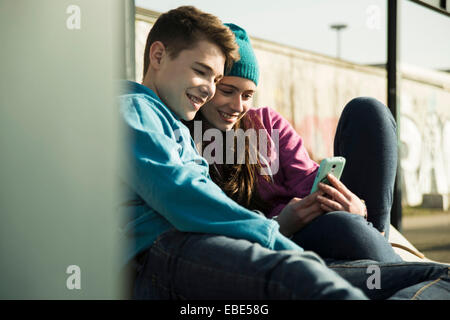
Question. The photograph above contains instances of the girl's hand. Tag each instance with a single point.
(298, 213)
(340, 198)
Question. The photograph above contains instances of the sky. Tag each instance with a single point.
(305, 24)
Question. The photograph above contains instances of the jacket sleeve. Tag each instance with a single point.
(182, 192)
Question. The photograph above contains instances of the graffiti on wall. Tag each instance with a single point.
(424, 154)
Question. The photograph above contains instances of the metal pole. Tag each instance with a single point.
(338, 43)
(393, 101)
(338, 28)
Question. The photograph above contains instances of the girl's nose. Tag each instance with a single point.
(237, 104)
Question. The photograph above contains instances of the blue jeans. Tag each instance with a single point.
(212, 267)
(397, 281)
(366, 137)
(344, 236)
(204, 266)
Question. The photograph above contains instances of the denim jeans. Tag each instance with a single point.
(344, 236)
(204, 266)
(212, 267)
(397, 281)
(366, 137)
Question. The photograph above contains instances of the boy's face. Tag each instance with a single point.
(187, 82)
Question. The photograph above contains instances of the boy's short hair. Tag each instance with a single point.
(181, 28)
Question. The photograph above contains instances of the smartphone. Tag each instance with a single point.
(333, 165)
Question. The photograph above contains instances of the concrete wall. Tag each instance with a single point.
(310, 90)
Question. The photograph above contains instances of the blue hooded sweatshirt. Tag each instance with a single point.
(167, 183)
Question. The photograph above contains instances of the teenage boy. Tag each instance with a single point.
(189, 240)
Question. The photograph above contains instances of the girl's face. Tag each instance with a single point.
(231, 101)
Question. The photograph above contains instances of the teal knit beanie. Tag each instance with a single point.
(247, 66)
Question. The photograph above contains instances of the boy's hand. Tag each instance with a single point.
(339, 198)
(298, 213)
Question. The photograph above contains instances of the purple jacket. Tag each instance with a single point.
(295, 171)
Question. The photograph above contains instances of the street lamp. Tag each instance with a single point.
(338, 27)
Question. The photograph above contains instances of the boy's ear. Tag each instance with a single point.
(157, 52)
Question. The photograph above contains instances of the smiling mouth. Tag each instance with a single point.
(196, 102)
(228, 117)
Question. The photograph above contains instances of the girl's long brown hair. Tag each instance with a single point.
(239, 181)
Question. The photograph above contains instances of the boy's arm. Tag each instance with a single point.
(182, 193)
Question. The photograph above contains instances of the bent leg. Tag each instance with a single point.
(366, 137)
(344, 236)
(203, 266)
